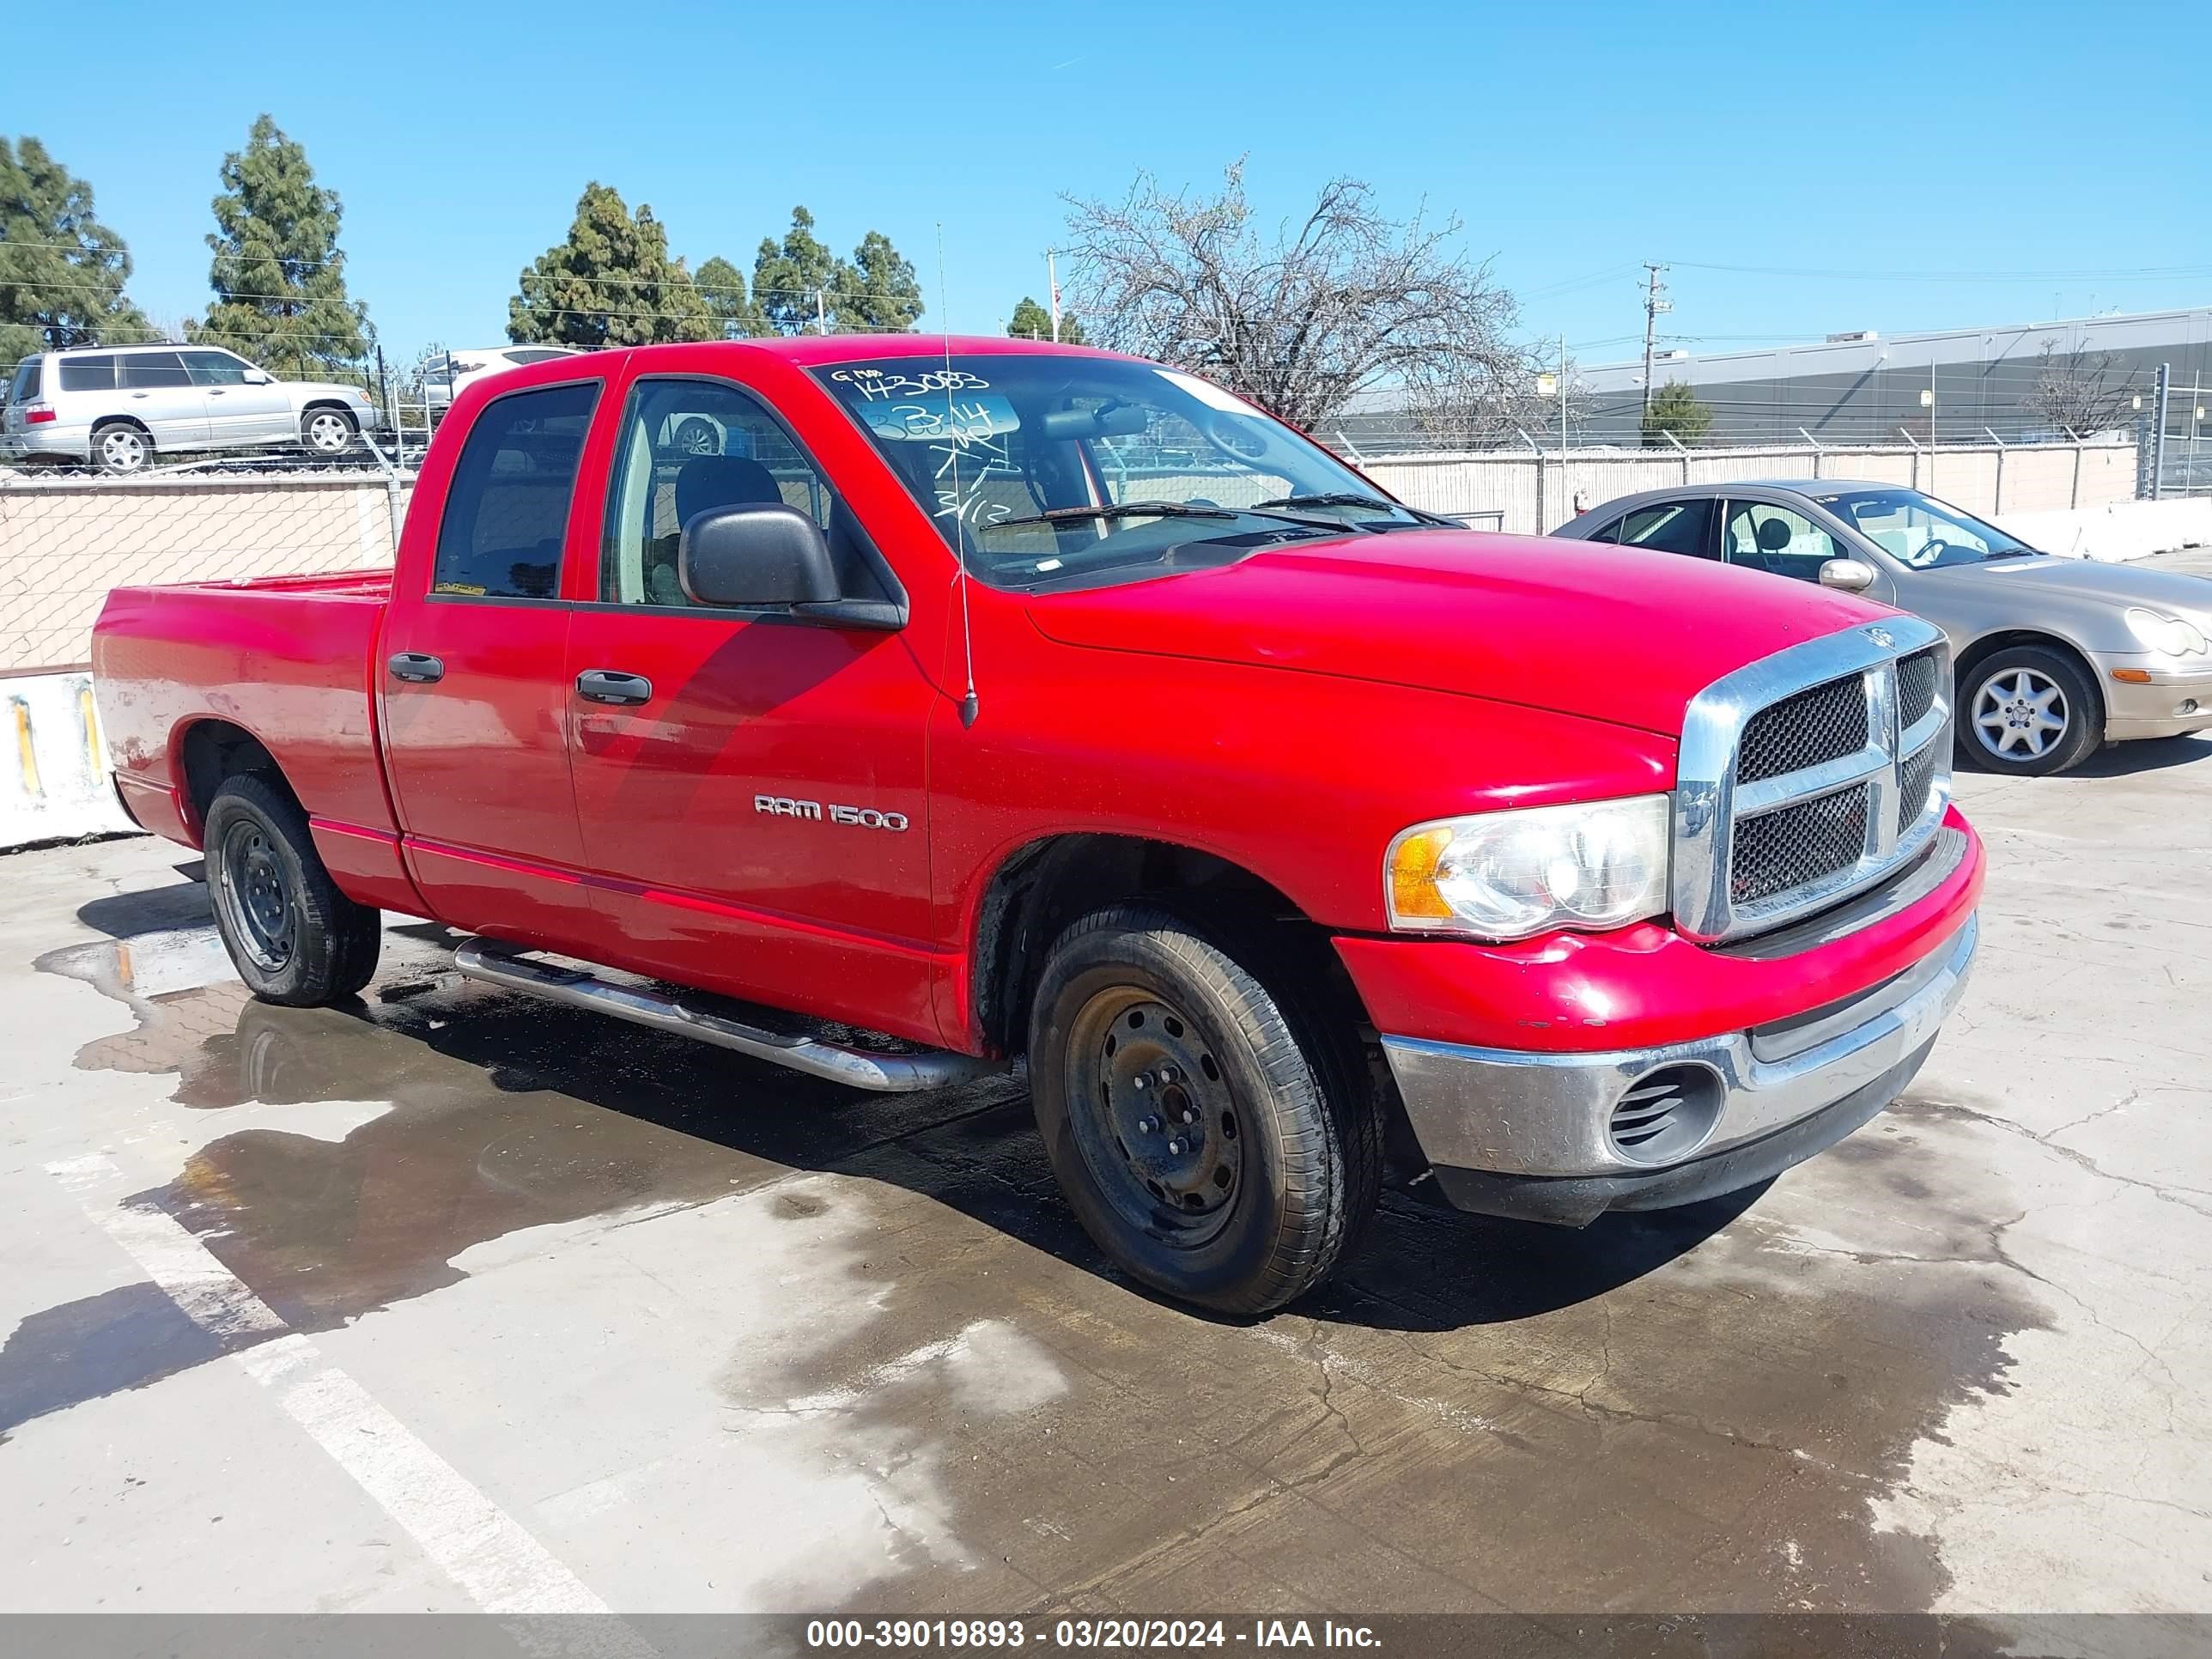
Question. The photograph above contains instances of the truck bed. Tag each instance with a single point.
(284, 660)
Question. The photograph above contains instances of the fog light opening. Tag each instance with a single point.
(1666, 1115)
(2187, 706)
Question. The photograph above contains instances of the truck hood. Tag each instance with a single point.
(1574, 626)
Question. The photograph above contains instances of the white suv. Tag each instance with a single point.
(119, 407)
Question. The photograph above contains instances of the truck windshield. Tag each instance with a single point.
(1041, 467)
(1920, 532)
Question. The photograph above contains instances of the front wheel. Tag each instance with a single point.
(1212, 1131)
(329, 433)
(294, 938)
(2028, 711)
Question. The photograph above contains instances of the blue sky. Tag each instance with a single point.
(1996, 163)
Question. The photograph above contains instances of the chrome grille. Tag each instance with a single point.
(1792, 846)
(1824, 724)
(1917, 676)
(1915, 776)
(1810, 775)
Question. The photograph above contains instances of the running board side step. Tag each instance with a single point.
(859, 1068)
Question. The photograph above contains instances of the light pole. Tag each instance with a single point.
(1928, 402)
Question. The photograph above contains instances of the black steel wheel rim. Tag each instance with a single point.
(1154, 1117)
(256, 895)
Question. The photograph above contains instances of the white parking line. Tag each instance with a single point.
(479, 1545)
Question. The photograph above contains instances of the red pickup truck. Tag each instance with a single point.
(900, 709)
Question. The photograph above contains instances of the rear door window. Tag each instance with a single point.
(1671, 527)
(152, 370)
(95, 374)
(506, 511)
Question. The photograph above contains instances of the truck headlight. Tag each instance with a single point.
(1508, 875)
(2176, 636)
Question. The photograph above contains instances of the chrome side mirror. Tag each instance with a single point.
(1850, 575)
(256, 377)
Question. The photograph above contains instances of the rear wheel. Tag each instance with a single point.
(294, 938)
(120, 449)
(2029, 711)
(1213, 1132)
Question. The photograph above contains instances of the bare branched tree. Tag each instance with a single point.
(2076, 390)
(1345, 302)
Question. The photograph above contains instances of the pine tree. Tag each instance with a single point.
(878, 291)
(610, 283)
(1031, 321)
(1675, 408)
(721, 285)
(61, 271)
(792, 283)
(800, 286)
(278, 274)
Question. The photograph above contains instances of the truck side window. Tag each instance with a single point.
(686, 447)
(507, 513)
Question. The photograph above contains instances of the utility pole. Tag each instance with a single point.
(821, 314)
(2162, 390)
(1653, 304)
(1052, 287)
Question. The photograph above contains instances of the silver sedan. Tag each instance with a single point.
(2053, 657)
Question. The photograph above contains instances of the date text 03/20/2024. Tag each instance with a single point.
(1087, 1633)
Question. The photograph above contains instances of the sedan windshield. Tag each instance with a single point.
(1057, 471)
(1920, 532)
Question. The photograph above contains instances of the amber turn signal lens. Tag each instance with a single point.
(2132, 676)
(1414, 876)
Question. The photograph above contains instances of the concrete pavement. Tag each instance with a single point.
(502, 1307)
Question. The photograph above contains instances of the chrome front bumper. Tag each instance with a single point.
(1550, 1117)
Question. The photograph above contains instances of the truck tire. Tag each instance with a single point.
(294, 938)
(1214, 1133)
(2006, 706)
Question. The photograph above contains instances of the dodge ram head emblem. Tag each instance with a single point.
(1882, 636)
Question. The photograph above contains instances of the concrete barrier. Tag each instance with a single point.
(2116, 532)
(53, 784)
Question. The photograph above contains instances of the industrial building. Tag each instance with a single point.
(2021, 381)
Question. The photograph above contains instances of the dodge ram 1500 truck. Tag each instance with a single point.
(1000, 700)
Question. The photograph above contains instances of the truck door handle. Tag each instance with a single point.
(416, 667)
(612, 685)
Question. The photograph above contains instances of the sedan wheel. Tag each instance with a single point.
(2021, 714)
(2028, 710)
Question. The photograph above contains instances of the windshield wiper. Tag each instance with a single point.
(1332, 498)
(1116, 510)
(1058, 515)
(1349, 498)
